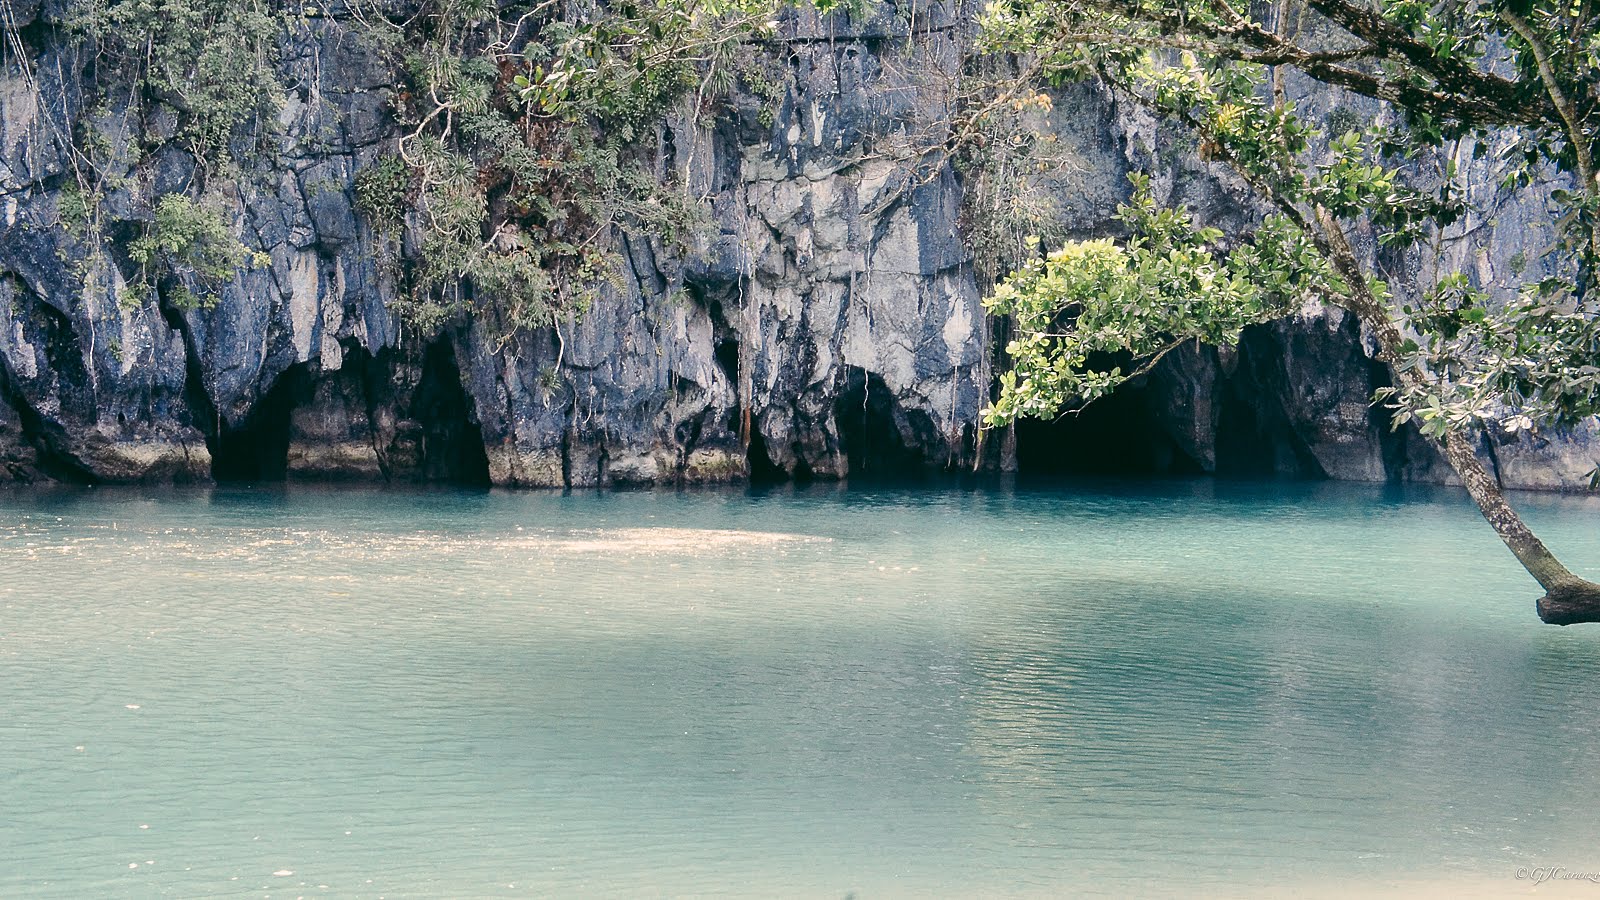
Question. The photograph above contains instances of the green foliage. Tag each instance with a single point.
(1343, 120)
(76, 208)
(381, 191)
(211, 62)
(1009, 203)
(531, 146)
(198, 73)
(1094, 314)
(1526, 355)
(1530, 362)
(186, 243)
(766, 80)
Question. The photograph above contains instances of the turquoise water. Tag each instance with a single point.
(1096, 689)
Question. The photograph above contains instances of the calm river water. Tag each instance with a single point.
(1177, 689)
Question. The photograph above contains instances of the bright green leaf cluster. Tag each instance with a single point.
(1093, 314)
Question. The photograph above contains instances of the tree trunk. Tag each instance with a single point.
(1568, 599)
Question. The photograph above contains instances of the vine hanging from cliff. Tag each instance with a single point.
(211, 65)
(531, 140)
(199, 75)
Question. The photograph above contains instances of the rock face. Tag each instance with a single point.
(828, 323)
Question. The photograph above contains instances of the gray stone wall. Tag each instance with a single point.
(828, 321)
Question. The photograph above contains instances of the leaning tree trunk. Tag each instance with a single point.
(1568, 599)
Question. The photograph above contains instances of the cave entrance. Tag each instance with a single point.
(257, 449)
(1252, 442)
(878, 438)
(763, 471)
(1254, 436)
(1119, 434)
(452, 443)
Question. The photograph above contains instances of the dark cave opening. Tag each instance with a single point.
(437, 440)
(1401, 447)
(1119, 434)
(1254, 438)
(878, 438)
(763, 471)
(257, 449)
(1252, 443)
(1151, 428)
(452, 443)
(726, 353)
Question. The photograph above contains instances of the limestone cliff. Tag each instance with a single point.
(827, 322)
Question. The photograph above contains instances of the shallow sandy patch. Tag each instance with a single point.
(688, 541)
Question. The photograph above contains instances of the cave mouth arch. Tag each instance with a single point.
(432, 435)
(452, 449)
(1120, 434)
(257, 449)
(879, 439)
(1189, 416)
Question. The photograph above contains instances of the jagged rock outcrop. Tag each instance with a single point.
(828, 322)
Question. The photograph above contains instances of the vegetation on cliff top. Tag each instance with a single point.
(531, 138)
(530, 134)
